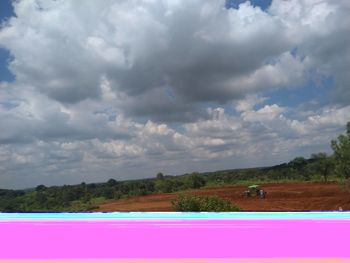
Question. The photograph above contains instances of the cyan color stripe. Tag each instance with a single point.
(175, 215)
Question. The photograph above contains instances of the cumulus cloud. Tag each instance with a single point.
(198, 51)
(118, 87)
(320, 32)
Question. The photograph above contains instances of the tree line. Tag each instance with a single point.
(86, 197)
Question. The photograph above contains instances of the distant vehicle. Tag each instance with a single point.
(254, 190)
(262, 193)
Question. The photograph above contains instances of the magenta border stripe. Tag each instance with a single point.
(174, 239)
(186, 260)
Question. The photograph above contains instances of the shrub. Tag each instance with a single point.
(341, 148)
(202, 204)
(164, 186)
(186, 203)
(194, 181)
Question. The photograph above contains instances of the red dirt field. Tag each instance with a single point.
(280, 197)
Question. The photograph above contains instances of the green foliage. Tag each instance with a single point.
(173, 184)
(321, 164)
(186, 204)
(112, 182)
(341, 148)
(84, 197)
(194, 181)
(160, 176)
(299, 165)
(108, 192)
(40, 188)
(202, 204)
(164, 186)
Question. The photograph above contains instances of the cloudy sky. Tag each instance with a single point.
(92, 90)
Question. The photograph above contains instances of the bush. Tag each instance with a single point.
(186, 203)
(341, 148)
(202, 204)
(194, 181)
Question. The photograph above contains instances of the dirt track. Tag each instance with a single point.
(280, 197)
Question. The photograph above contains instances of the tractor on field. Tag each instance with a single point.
(254, 190)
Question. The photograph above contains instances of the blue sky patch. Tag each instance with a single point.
(6, 11)
(314, 90)
(263, 4)
(5, 74)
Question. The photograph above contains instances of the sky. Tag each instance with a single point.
(92, 90)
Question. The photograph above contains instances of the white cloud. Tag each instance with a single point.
(122, 88)
(64, 48)
(267, 113)
(248, 103)
(320, 31)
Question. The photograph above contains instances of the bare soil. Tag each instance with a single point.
(280, 197)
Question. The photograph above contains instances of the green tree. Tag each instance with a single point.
(160, 176)
(164, 186)
(341, 148)
(202, 204)
(41, 198)
(194, 181)
(108, 193)
(40, 187)
(117, 195)
(299, 165)
(86, 198)
(112, 182)
(187, 204)
(322, 164)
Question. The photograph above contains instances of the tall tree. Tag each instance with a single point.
(341, 148)
(299, 165)
(194, 181)
(40, 187)
(112, 182)
(160, 176)
(322, 164)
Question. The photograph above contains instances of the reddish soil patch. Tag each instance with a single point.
(280, 197)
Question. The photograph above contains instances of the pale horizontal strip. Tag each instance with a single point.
(186, 260)
(328, 215)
